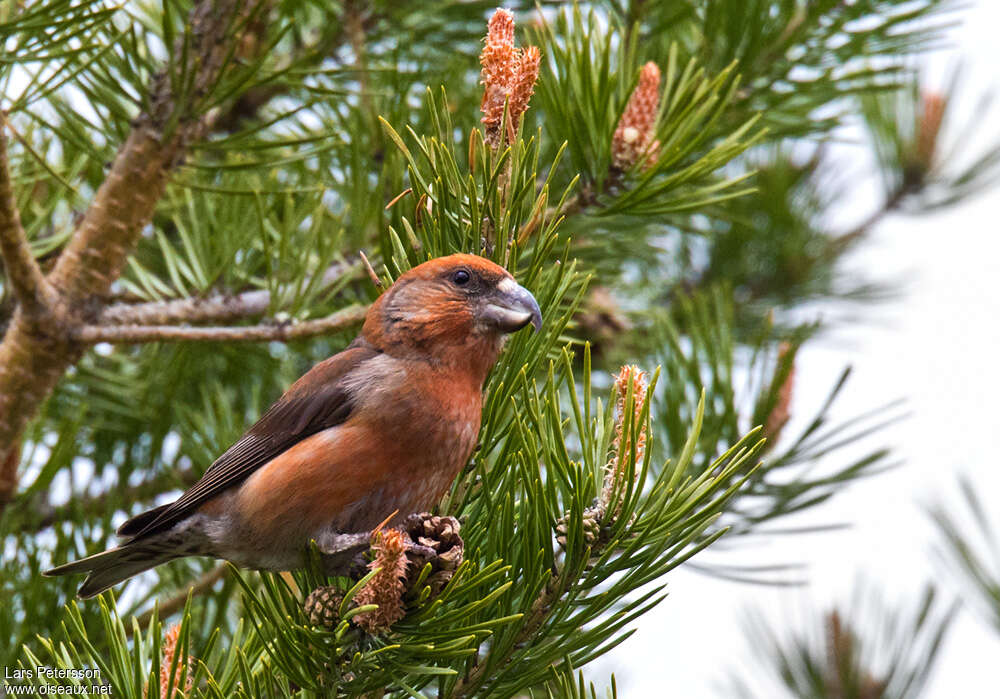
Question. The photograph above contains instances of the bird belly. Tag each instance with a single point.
(345, 479)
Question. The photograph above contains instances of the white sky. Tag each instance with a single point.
(936, 346)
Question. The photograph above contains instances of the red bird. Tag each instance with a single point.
(382, 427)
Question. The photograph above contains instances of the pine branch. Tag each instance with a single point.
(247, 107)
(868, 649)
(281, 332)
(215, 308)
(468, 685)
(126, 200)
(33, 358)
(32, 291)
(511, 619)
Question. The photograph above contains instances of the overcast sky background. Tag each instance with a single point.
(936, 345)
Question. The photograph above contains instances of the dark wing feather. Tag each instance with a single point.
(317, 401)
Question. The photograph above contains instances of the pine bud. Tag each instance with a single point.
(322, 607)
(842, 663)
(387, 586)
(508, 77)
(523, 86)
(625, 454)
(168, 653)
(781, 412)
(929, 118)
(634, 137)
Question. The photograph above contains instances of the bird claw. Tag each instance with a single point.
(429, 539)
(415, 550)
(341, 554)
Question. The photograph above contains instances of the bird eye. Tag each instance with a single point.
(460, 277)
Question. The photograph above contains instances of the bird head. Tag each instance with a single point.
(449, 309)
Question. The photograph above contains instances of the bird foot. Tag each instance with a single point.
(429, 538)
(343, 554)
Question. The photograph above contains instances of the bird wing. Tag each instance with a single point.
(317, 401)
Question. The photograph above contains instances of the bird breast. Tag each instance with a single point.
(412, 430)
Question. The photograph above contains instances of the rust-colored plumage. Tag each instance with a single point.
(383, 426)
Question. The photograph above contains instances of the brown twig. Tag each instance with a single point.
(176, 602)
(209, 309)
(355, 22)
(371, 271)
(281, 332)
(840, 243)
(9, 462)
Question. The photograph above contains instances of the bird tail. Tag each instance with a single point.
(116, 565)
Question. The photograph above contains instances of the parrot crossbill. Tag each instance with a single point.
(382, 427)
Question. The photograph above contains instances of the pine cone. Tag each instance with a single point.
(322, 607)
(591, 527)
(434, 540)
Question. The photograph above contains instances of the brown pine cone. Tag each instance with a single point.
(435, 540)
(322, 607)
(591, 527)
